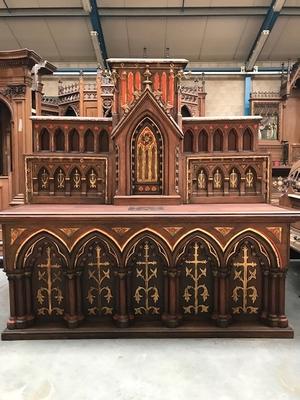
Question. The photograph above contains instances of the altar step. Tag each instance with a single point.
(89, 330)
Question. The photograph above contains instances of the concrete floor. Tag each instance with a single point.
(175, 369)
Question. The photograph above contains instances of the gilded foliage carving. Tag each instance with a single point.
(96, 259)
(147, 259)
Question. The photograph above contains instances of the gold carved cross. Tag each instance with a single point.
(147, 274)
(196, 276)
(99, 278)
(245, 264)
(48, 266)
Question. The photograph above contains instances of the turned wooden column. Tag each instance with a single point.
(215, 312)
(283, 321)
(171, 318)
(72, 316)
(11, 323)
(223, 316)
(21, 320)
(272, 316)
(28, 293)
(265, 304)
(121, 317)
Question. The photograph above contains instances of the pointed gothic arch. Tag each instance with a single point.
(185, 111)
(44, 141)
(147, 159)
(232, 140)
(73, 140)
(203, 141)
(218, 140)
(89, 141)
(188, 141)
(59, 140)
(247, 140)
(147, 257)
(48, 260)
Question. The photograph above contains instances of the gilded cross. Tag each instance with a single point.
(99, 278)
(249, 179)
(60, 179)
(76, 179)
(147, 273)
(245, 264)
(196, 275)
(48, 266)
(45, 179)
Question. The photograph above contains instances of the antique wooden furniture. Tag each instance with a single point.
(144, 222)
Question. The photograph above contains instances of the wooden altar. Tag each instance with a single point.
(141, 222)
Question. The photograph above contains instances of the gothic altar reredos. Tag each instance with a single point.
(142, 222)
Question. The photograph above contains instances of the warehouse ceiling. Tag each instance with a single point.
(206, 32)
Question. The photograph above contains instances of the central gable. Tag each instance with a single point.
(147, 105)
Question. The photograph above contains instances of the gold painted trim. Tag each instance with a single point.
(99, 231)
(36, 233)
(147, 230)
(223, 248)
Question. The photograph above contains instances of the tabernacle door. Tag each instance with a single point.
(147, 160)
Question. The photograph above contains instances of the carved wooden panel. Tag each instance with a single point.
(248, 262)
(96, 260)
(147, 261)
(47, 263)
(146, 160)
(196, 262)
(69, 179)
(223, 178)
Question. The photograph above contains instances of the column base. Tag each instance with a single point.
(223, 321)
(272, 320)
(121, 321)
(73, 321)
(283, 321)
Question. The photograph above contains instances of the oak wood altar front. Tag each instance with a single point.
(116, 271)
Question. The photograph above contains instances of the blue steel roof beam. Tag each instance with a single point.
(264, 32)
(96, 24)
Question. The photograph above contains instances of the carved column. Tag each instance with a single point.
(223, 316)
(273, 317)
(72, 316)
(121, 317)
(216, 294)
(11, 323)
(99, 93)
(283, 321)
(81, 95)
(28, 294)
(265, 304)
(20, 300)
(171, 319)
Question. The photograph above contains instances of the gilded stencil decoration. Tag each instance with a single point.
(146, 272)
(49, 274)
(173, 230)
(99, 272)
(69, 231)
(15, 233)
(277, 232)
(147, 157)
(198, 290)
(245, 275)
(224, 230)
(121, 230)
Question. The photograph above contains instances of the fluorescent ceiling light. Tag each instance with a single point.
(86, 6)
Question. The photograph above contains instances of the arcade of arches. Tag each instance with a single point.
(140, 216)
